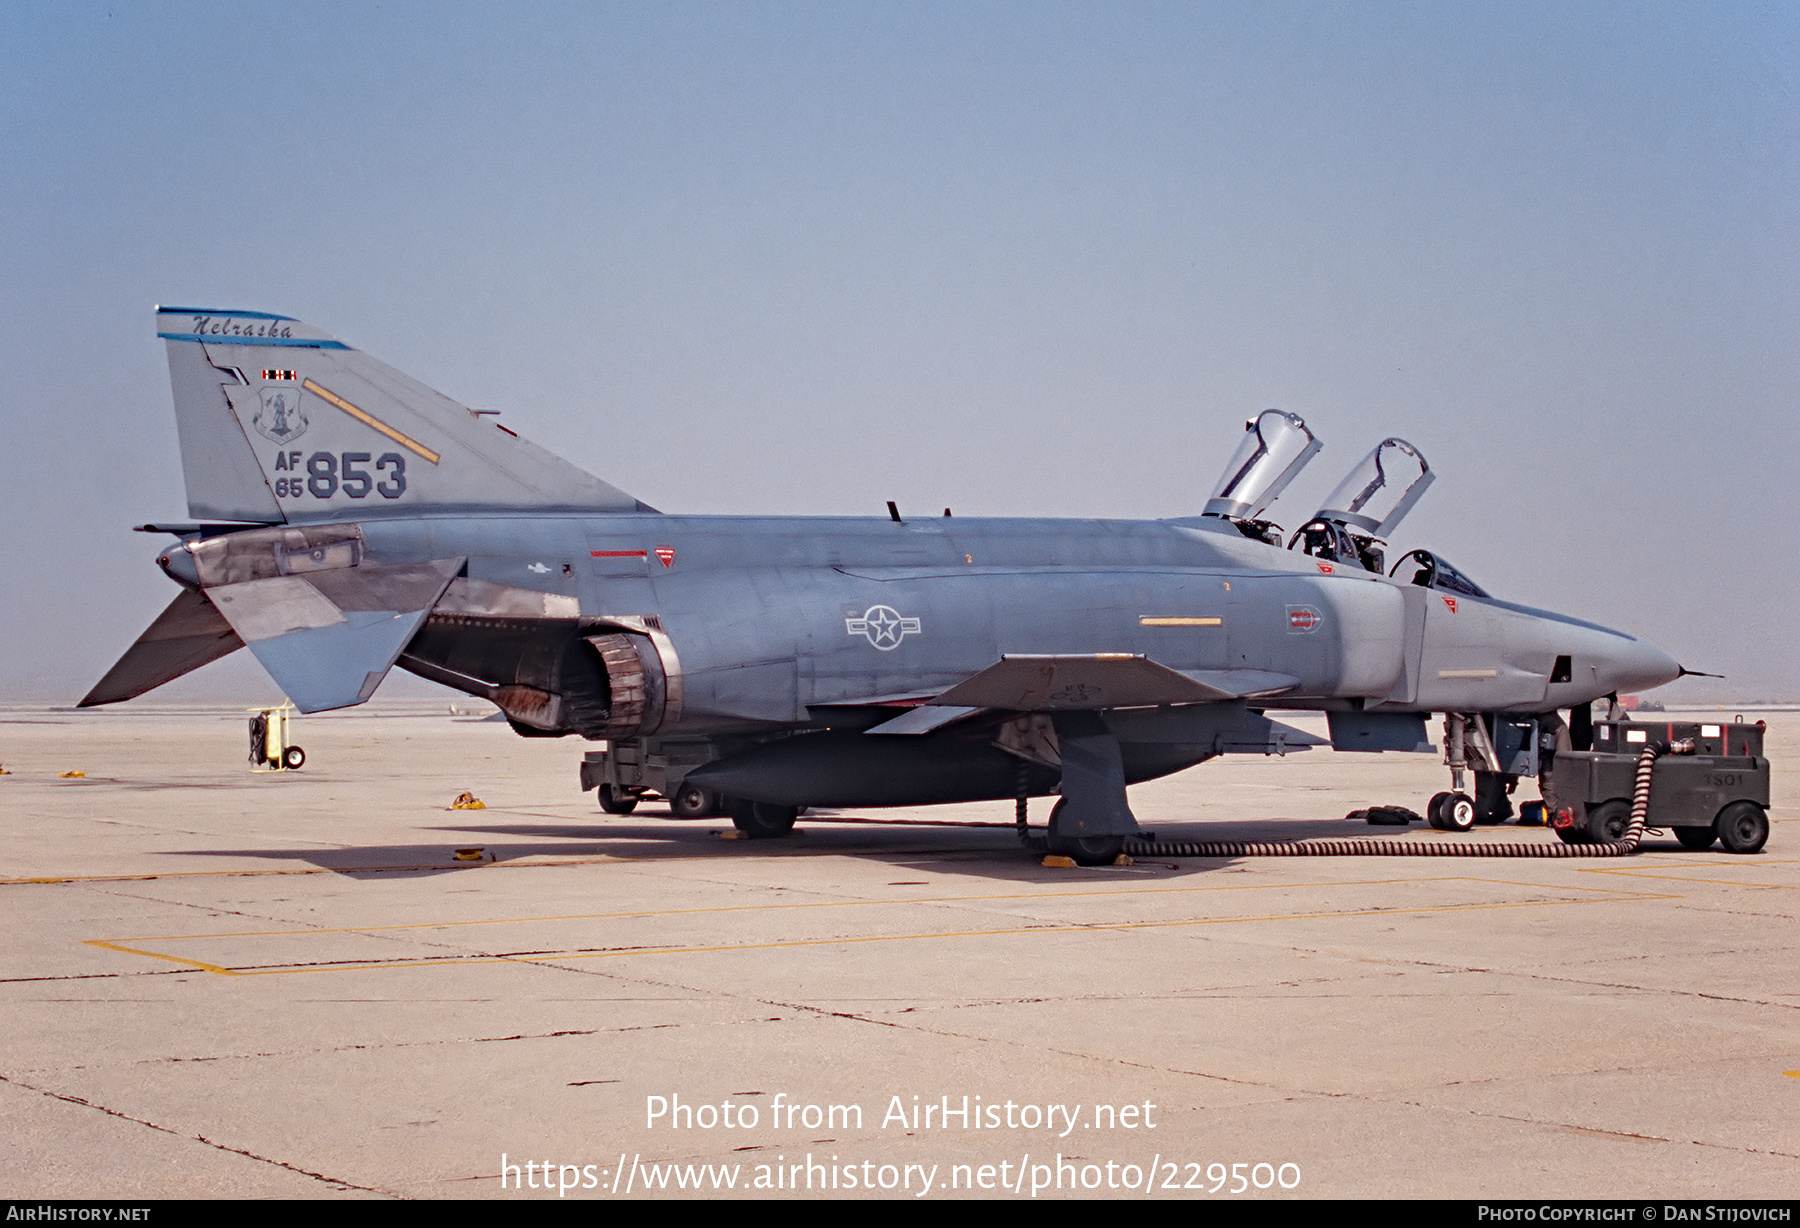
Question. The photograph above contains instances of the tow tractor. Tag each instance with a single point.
(1719, 792)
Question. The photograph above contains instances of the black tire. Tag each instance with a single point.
(763, 820)
(1082, 850)
(1606, 822)
(1454, 811)
(292, 758)
(614, 802)
(693, 802)
(1434, 810)
(1696, 838)
(1743, 827)
(1571, 835)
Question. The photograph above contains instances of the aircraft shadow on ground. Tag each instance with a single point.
(987, 851)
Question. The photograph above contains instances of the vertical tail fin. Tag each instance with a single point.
(280, 422)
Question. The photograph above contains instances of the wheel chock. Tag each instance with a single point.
(468, 801)
(1383, 816)
(471, 854)
(1056, 861)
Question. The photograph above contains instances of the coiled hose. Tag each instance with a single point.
(1625, 846)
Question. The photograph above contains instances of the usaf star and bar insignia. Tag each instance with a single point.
(883, 626)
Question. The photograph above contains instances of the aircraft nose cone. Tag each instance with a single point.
(1638, 666)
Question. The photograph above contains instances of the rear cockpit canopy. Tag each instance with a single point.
(1376, 495)
(1366, 507)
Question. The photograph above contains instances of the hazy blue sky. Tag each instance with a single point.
(1020, 259)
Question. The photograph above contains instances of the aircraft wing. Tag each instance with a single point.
(329, 637)
(1102, 680)
(1082, 684)
(187, 635)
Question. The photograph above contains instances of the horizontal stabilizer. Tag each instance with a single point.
(187, 635)
(1099, 681)
(328, 638)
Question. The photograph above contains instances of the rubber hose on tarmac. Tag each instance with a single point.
(1626, 846)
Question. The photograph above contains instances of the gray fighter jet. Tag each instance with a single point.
(349, 519)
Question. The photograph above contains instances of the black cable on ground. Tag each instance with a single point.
(1625, 846)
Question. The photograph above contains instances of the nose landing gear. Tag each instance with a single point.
(1451, 812)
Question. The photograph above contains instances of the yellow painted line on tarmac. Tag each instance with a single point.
(174, 959)
(1671, 875)
(547, 957)
(1722, 882)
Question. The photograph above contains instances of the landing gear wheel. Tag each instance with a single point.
(693, 802)
(1696, 838)
(1434, 810)
(292, 758)
(1606, 823)
(1743, 827)
(1453, 812)
(1082, 850)
(615, 802)
(762, 820)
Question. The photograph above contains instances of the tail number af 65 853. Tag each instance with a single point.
(329, 474)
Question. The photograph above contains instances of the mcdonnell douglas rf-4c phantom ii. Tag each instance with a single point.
(350, 519)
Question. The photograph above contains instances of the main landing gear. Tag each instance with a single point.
(762, 820)
(1083, 850)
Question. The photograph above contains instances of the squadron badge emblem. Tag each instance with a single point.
(280, 417)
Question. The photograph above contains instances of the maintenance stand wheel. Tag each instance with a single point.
(292, 757)
(1082, 850)
(762, 820)
(1743, 827)
(693, 802)
(1696, 838)
(1606, 822)
(1452, 812)
(614, 802)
